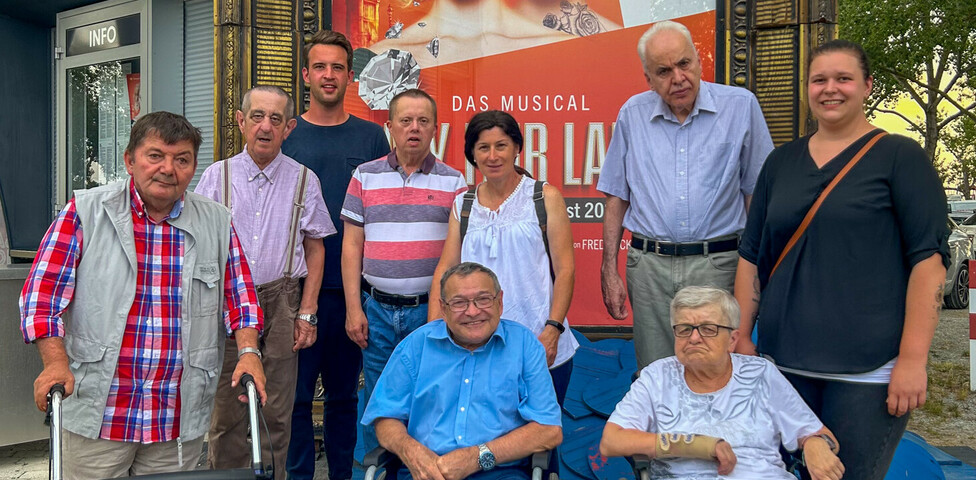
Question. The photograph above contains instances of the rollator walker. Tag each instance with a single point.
(258, 470)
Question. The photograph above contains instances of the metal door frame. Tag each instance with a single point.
(79, 17)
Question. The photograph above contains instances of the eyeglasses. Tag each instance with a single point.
(684, 330)
(461, 304)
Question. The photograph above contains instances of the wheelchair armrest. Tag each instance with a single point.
(381, 458)
(639, 462)
(541, 459)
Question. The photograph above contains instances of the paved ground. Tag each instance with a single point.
(29, 461)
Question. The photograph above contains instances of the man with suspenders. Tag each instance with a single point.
(277, 206)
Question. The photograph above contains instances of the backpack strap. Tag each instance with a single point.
(466, 203)
(540, 212)
(296, 213)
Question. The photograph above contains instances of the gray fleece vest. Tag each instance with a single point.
(104, 292)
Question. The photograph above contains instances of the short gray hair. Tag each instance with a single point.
(697, 297)
(658, 28)
(289, 104)
(467, 268)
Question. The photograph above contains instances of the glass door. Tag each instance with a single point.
(103, 101)
(101, 66)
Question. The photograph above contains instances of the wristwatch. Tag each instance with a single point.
(486, 459)
(309, 317)
(830, 441)
(245, 350)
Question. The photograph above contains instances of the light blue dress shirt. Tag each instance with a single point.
(450, 397)
(685, 181)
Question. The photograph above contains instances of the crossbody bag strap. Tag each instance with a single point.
(820, 199)
(225, 194)
(466, 202)
(296, 213)
(540, 212)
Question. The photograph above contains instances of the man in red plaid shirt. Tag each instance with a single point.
(125, 301)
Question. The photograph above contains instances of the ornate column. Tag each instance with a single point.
(255, 43)
(768, 42)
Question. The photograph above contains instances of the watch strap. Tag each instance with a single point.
(559, 325)
(486, 459)
(309, 318)
(830, 441)
(241, 352)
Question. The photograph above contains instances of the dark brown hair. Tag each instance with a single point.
(846, 46)
(413, 93)
(486, 121)
(169, 127)
(328, 37)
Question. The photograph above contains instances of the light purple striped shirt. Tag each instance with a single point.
(687, 182)
(261, 204)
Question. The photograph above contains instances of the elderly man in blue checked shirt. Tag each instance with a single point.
(679, 174)
(472, 387)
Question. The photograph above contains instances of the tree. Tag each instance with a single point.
(920, 49)
(961, 143)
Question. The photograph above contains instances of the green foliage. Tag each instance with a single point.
(960, 141)
(922, 49)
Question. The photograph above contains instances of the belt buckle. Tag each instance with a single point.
(657, 247)
(416, 301)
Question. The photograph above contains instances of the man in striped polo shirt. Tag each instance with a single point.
(395, 213)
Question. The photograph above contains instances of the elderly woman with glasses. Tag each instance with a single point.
(709, 413)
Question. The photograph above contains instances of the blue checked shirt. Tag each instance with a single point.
(687, 182)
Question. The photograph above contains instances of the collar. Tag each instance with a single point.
(252, 170)
(440, 332)
(426, 167)
(139, 207)
(704, 102)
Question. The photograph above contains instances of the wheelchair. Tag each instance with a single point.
(380, 462)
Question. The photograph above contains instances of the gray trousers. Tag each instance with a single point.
(652, 282)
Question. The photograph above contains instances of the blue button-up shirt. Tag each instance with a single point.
(686, 182)
(450, 397)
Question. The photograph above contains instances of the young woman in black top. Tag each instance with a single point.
(849, 314)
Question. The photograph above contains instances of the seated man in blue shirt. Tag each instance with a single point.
(466, 393)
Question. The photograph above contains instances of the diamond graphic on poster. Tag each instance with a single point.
(395, 30)
(386, 75)
(434, 46)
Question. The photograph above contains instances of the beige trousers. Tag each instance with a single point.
(85, 458)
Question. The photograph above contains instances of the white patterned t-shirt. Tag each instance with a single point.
(756, 412)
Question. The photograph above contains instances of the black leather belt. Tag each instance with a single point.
(394, 299)
(684, 249)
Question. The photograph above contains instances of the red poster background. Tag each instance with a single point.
(598, 73)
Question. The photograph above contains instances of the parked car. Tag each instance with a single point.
(967, 225)
(960, 217)
(957, 275)
(962, 206)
